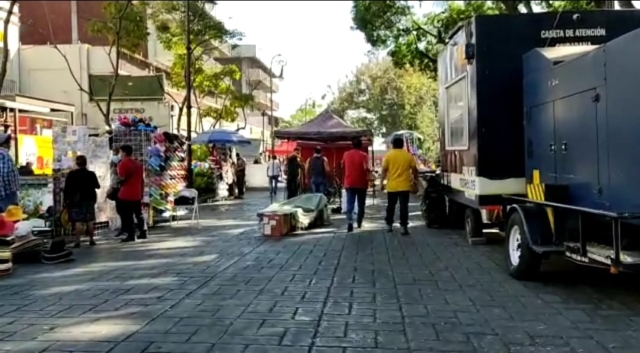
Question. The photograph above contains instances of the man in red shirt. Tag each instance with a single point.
(131, 175)
(356, 181)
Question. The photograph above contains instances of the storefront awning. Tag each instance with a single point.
(34, 104)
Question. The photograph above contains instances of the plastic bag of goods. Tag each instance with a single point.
(222, 191)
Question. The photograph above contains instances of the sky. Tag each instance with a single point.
(315, 37)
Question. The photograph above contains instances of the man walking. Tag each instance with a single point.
(317, 169)
(131, 174)
(9, 177)
(356, 181)
(241, 176)
(294, 168)
(274, 170)
(401, 172)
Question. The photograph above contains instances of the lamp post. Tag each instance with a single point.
(188, 89)
(282, 62)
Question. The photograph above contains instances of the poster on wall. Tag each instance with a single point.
(38, 150)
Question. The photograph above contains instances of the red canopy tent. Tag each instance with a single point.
(328, 131)
(284, 148)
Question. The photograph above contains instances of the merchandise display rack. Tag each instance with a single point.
(69, 142)
(167, 169)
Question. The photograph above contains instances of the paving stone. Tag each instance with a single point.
(228, 290)
(276, 349)
(179, 348)
(298, 337)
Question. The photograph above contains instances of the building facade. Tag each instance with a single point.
(257, 77)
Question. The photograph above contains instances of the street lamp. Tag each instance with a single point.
(188, 89)
(282, 62)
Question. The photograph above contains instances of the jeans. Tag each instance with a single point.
(318, 186)
(273, 184)
(129, 210)
(392, 199)
(11, 199)
(353, 194)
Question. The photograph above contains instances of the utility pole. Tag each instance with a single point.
(283, 63)
(188, 89)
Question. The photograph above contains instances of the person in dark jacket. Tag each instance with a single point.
(80, 198)
(294, 168)
(317, 170)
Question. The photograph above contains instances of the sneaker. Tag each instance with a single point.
(349, 228)
(76, 245)
(359, 224)
(128, 239)
(389, 229)
(119, 234)
(92, 243)
(405, 231)
(143, 235)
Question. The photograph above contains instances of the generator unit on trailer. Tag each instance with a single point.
(533, 141)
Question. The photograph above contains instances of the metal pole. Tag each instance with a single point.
(264, 135)
(273, 138)
(188, 89)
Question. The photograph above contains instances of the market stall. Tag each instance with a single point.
(139, 134)
(331, 133)
(220, 144)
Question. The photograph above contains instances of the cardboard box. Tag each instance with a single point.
(276, 224)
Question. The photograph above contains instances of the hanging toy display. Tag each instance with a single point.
(136, 123)
(167, 169)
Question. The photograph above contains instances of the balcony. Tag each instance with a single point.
(260, 80)
(9, 88)
(262, 101)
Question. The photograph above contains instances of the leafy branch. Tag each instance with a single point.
(125, 29)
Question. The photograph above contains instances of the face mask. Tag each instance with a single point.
(115, 159)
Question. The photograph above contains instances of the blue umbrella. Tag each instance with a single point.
(221, 137)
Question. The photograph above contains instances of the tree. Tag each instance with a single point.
(206, 33)
(307, 111)
(5, 51)
(415, 40)
(5, 40)
(385, 99)
(125, 28)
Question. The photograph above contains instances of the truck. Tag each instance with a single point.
(540, 126)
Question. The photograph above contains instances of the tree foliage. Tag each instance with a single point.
(5, 40)
(415, 40)
(124, 26)
(385, 99)
(307, 111)
(209, 80)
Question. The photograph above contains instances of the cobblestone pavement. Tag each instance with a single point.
(222, 288)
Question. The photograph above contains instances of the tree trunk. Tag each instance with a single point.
(626, 4)
(510, 7)
(5, 41)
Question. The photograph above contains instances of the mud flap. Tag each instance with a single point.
(537, 226)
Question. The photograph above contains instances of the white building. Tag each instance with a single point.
(57, 74)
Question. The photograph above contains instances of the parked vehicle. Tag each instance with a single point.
(541, 126)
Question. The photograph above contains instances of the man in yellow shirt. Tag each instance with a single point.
(400, 170)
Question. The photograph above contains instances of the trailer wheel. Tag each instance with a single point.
(473, 225)
(523, 262)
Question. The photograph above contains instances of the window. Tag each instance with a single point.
(457, 115)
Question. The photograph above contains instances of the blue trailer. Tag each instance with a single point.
(540, 137)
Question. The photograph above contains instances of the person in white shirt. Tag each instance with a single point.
(274, 170)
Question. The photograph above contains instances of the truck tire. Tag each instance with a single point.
(523, 262)
(473, 226)
(455, 214)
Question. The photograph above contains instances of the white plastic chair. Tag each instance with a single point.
(190, 193)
